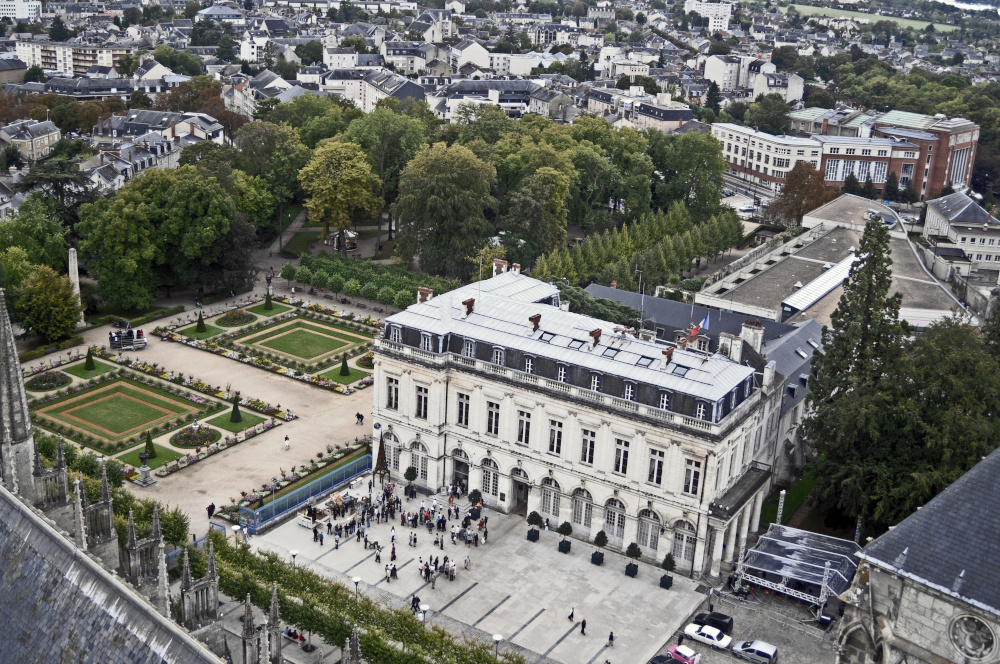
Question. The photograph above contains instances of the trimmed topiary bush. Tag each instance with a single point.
(235, 416)
(88, 364)
(535, 519)
(344, 369)
(668, 563)
(200, 327)
(150, 448)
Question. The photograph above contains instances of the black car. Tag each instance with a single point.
(719, 621)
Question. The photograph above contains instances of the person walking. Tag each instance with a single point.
(468, 563)
(571, 612)
(287, 444)
(583, 627)
(211, 510)
(315, 534)
(321, 538)
(388, 573)
(611, 639)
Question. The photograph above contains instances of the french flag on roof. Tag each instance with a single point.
(703, 325)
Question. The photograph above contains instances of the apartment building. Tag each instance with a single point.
(70, 59)
(717, 13)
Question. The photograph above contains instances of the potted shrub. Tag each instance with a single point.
(565, 529)
(600, 541)
(634, 552)
(534, 520)
(666, 581)
(410, 475)
(476, 498)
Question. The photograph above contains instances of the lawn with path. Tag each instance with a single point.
(79, 371)
(298, 245)
(303, 343)
(163, 456)
(249, 420)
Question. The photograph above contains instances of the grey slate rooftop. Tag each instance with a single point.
(950, 543)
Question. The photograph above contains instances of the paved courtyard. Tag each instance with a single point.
(521, 590)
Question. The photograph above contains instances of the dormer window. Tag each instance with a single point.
(595, 382)
(562, 373)
(396, 334)
(664, 400)
(529, 365)
(629, 394)
(498, 356)
(469, 348)
(700, 411)
(425, 342)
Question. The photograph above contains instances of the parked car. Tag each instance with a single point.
(682, 654)
(726, 193)
(708, 635)
(745, 208)
(719, 621)
(757, 652)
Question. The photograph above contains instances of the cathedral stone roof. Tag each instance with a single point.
(60, 605)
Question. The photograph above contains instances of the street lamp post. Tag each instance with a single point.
(497, 638)
(293, 553)
(424, 608)
(357, 580)
(236, 532)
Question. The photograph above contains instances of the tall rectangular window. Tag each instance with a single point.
(492, 418)
(561, 374)
(587, 451)
(692, 475)
(523, 427)
(655, 467)
(555, 437)
(395, 334)
(498, 356)
(463, 409)
(700, 411)
(392, 393)
(426, 343)
(595, 382)
(832, 166)
(664, 400)
(629, 392)
(529, 365)
(621, 456)
(469, 348)
(422, 394)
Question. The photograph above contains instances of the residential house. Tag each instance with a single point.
(32, 138)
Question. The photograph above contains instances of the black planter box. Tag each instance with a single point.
(597, 558)
(631, 569)
(475, 513)
(533, 535)
(666, 581)
(564, 546)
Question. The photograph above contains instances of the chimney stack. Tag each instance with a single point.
(732, 346)
(668, 355)
(753, 333)
(516, 268)
(535, 320)
(769, 375)
(468, 305)
(826, 126)
(596, 336)
(499, 266)
(424, 294)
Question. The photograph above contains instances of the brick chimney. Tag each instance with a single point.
(424, 294)
(668, 355)
(535, 320)
(468, 305)
(499, 266)
(826, 126)
(516, 268)
(753, 333)
(732, 346)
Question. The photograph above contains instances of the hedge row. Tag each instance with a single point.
(42, 351)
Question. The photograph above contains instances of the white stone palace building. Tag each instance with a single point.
(579, 419)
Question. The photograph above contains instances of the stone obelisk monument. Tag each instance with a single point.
(74, 278)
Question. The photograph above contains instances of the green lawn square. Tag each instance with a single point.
(334, 375)
(119, 413)
(278, 309)
(163, 456)
(249, 420)
(303, 343)
(79, 371)
(192, 331)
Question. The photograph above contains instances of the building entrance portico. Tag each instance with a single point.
(460, 468)
(520, 485)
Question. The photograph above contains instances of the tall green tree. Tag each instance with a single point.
(45, 304)
(165, 229)
(339, 181)
(444, 194)
(804, 190)
(59, 178)
(536, 220)
(689, 169)
(770, 114)
(58, 32)
(36, 229)
(714, 98)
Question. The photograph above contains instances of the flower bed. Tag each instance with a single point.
(205, 452)
(48, 380)
(368, 361)
(193, 436)
(235, 318)
(71, 356)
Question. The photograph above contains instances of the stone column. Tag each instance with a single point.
(731, 540)
(74, 279)
(80, 534)
(758, 501)
(716, 563)
(699, 549)
(744, 525)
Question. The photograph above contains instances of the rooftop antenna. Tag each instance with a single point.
(642, 300)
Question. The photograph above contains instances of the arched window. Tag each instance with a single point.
(519, 474)
(491, 477)
(583, 508)
(459, 454)
(392, 450)
(614, 520)
(685, 539)
(419, 454)
(550, 496)
(649, 530)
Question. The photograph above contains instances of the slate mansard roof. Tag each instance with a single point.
(950, 543)
(499, 319)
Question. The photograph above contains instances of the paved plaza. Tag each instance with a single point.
(521, 590)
